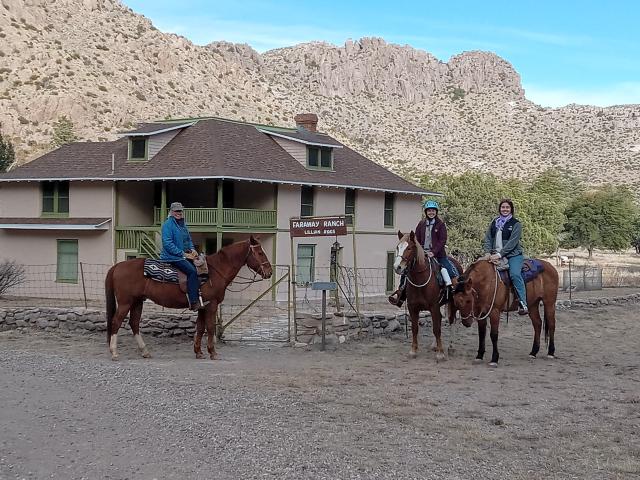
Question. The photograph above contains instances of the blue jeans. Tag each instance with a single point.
(515, 272)
(451, 268)
(192, 278)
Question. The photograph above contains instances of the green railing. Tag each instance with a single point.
(231, 217)
(133, 238)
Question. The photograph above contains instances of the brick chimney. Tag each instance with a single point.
(308, 121)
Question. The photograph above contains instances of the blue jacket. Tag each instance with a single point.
(175, 240)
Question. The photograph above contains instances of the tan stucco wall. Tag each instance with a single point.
(135, 203)
(21, 199)
(90, 199)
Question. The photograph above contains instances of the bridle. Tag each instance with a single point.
(474, 295)
(409, 269)
(248, 280)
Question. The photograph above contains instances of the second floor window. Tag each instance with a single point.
(55, 198)
(138, 148)
(306, 201)
(350, 205)
(320, 157)
(389, 200)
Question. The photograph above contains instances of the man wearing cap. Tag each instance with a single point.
(177, 247)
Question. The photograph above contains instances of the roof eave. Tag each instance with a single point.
(293, 139)
(155, 132)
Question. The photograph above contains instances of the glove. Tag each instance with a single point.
(494, 257)
(430, 254)
(191, 255)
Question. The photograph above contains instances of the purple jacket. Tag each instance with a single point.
(438, 236)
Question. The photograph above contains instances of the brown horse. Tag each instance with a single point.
(423, 291)
(127, 287)
(480, 294)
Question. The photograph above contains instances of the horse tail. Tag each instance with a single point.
(110, 301)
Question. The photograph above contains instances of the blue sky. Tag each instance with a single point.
(584, 52)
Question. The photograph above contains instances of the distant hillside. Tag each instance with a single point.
(106, 67)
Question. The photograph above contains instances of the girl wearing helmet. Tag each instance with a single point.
(503, 240)
(431, 234)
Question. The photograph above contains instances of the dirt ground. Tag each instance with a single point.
(363, 410)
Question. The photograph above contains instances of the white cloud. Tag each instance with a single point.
(615, 94)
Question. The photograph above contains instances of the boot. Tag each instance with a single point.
(523, 310)
(445, 295)
(397, 298)
(194, 306)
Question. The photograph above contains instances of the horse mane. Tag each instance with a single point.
(464, 277)
(420, 255)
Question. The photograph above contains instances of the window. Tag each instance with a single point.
(138, 148)
(320, 157)
(67, 268)
(55, 199)
(305, 268)
(306, 201)
(389, 200)
(350, 205)
(391, 256)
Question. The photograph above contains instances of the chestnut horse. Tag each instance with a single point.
(480, 294)
(423, 291)
(127, 287)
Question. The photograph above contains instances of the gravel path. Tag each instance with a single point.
(362, 411)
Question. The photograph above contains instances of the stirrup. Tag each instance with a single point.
(523, 309)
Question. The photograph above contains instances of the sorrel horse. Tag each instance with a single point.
(480, 294)
(126, 288)
(423, 291)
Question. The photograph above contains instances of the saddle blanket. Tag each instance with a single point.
(160, 271)
(531, 268)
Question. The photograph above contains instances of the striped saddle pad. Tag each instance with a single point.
(160, 271)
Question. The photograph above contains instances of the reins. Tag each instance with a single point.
(428, 279)
(472, 315)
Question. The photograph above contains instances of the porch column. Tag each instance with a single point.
(219, 215)
(275, 242)
(163, 200)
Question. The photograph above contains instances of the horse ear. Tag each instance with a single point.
(412, 236)
(253, 240)
(400, 235)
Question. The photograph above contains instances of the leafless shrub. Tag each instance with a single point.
(12, 274)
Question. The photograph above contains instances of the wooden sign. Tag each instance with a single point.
(318, 226)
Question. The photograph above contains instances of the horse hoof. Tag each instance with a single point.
(551, 357)
(493, 364)
(115, 358)
(214, 356)
(532, 357)
(440, 357)
(146, 354)
(412, 354)
(199, 355)
(477, 361)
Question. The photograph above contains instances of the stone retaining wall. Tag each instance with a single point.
(339, 327)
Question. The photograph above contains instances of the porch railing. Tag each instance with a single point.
(231, 217)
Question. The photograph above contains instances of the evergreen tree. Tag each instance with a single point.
(7, 154)
(63, 132)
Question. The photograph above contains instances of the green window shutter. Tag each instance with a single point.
(305, 265)
(325, 158)
(306, 201)
(349, 205)
(48, 197)
(390, 273)
(63, 197)
(389, 200)
(313, 154)
(67, 268)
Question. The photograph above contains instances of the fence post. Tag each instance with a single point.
(570, 282)
(84, 290)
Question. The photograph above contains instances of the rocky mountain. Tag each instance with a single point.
(107, 68)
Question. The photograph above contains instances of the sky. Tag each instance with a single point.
(585, 52)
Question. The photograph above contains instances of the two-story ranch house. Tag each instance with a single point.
(104, 202)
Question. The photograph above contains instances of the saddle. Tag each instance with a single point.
(162, 272)
(531, 268)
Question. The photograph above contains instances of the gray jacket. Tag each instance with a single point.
(511, 234)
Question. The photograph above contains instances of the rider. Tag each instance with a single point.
(431, 234)
(503, 240)
(178, 249)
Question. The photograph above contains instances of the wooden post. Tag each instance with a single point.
(275, 240)
(292, 283)
(84, 290)
(355, 276)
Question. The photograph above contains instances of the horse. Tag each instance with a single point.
(126, 288)
(479, 293)
(423, 291)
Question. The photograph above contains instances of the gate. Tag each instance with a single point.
(257, 312)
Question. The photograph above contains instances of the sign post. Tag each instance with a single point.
(331, 226)
(324, 286)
